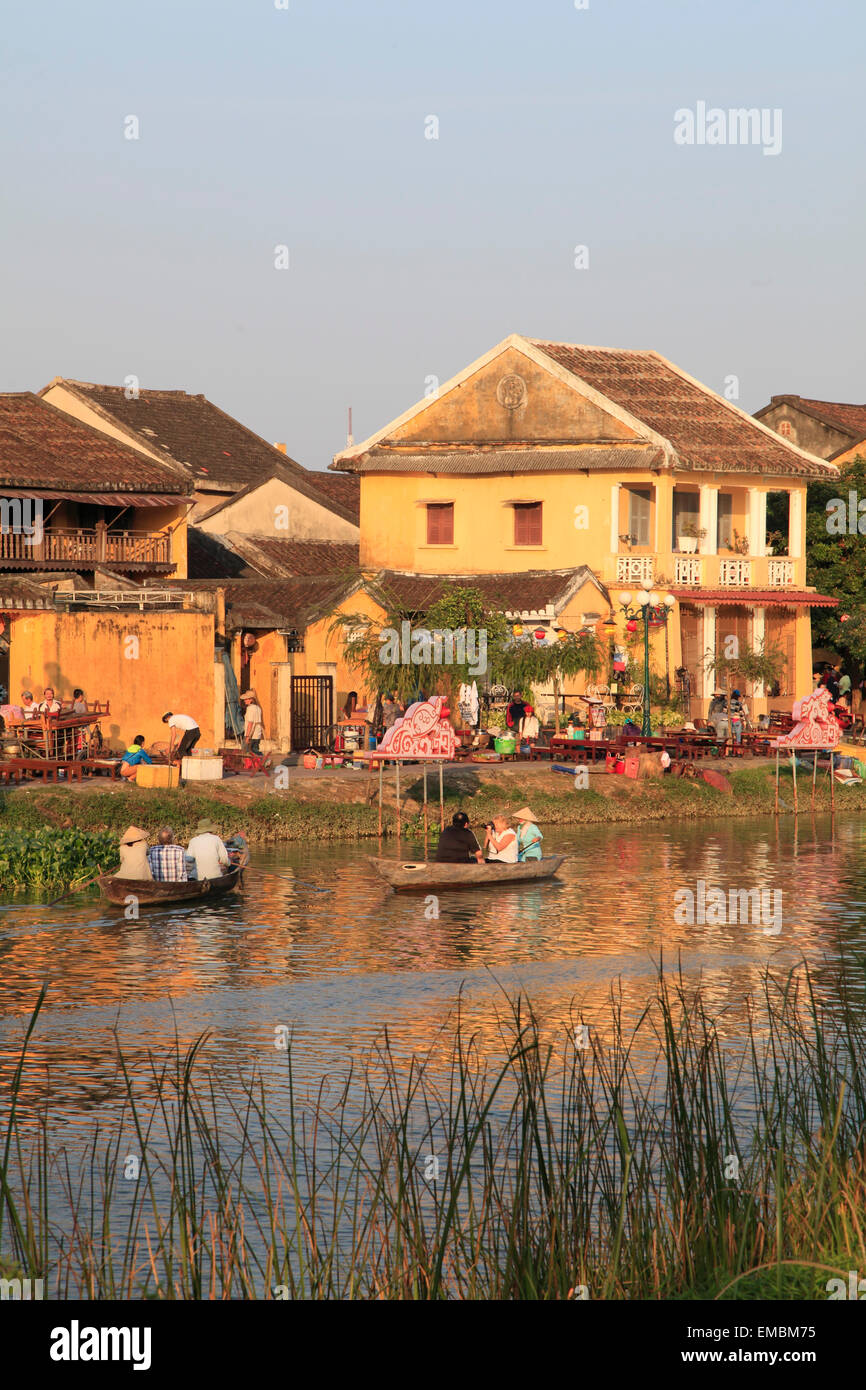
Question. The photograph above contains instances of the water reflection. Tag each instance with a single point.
(319, 943)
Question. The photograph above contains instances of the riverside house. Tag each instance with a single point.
(544, 456)
(833, 430)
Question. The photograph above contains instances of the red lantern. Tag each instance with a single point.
(631, 625)
(539, 634)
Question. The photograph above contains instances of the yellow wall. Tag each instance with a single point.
(170, 667)
(277, 510)
(322, 647)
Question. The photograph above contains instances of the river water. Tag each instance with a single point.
(318, 944)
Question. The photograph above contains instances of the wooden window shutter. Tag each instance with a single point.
(527, 523)
(440, 523)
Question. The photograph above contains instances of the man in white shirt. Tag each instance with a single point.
(254, 729)
(48, 704)
(189, 732)
(208, 851)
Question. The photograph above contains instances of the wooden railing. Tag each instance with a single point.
(78, 547)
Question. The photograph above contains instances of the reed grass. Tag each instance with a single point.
(606, 1170)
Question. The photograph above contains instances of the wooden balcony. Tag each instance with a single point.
(60, 548)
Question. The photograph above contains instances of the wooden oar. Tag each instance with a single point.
(70, 891)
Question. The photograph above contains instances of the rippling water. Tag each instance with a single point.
(317, 942)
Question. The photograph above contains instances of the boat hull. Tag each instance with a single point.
(418, 877)
(147, 891)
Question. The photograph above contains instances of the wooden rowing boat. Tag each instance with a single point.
(148, 891)
(421, 877)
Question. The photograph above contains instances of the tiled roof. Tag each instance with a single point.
(706, 431)
(531, 459)
(340, 489)
(40, 444)
(209, 557)
(218, 450)
(286, 559)
(267, 603)
(20, 595)
(527, 591)
(759, 598)
(309, 485)
(850, 419)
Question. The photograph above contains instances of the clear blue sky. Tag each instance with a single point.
(408, 256)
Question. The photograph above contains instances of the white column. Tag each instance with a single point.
(709, 645)
(709, 519)
(757, 521)
(614, 518)
(758, 634)
(795, 525)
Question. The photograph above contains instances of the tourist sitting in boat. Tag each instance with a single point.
(133, 854)
(133, 758)
(168, 861)
(208, 851)
(457, 844)
(529, 836)
(500, 841)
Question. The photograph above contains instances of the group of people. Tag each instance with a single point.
(502, 843)
(166, 861)
(49, 704)
(847, 696)
(728, 720)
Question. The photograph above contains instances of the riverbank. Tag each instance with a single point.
(343, 805)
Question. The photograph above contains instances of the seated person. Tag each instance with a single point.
(48, 704)
(208, 851)
(133, 757)
(167, 860)
(500, 841)
(529, 837)
(28, 704)
(79, 704)
(133, 854)
(457, 844)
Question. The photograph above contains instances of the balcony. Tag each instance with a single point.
(780, 573)
(60, 548)
(688, 571)
(735, 574)
(634, 569)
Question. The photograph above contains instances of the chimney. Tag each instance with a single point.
(350, 438)
(281, 447)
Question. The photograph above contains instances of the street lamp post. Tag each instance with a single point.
(655, 611)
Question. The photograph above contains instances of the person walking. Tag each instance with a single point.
(184, 726)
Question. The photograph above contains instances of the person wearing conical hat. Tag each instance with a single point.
(133, 854)
(529, 836)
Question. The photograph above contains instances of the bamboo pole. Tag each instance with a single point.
(777, 779)
(832, 785)
(397, 766)
(426, 831)
(814, 775)
(794, 772)
(441, 800)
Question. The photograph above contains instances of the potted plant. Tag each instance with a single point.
(738, 545)
(688, 536)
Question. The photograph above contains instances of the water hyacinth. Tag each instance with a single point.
(48, 860)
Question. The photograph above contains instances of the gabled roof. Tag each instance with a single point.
(688, 426)
(211, 557)
(286, 559)
(849, 419)
(344, 502)
(218, 451)
(41, 446)
(270, 603)
(515, 594)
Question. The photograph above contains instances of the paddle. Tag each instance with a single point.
(70, 891)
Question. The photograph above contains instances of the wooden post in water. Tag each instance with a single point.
(398, 804)
(441, 800)
(814, 775)
(426, 854)
(777, 779)
(381, 770)
(794, 772)
(832, 786)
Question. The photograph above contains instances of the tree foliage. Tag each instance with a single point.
(835, 559)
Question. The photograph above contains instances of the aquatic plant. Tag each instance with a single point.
(48, 860)
(652, 1162)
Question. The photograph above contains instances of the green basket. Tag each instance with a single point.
(504, 745)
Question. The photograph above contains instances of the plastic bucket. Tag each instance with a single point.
(504, 745)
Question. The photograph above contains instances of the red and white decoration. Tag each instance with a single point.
(423, 732)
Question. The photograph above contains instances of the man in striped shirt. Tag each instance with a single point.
(168, 861)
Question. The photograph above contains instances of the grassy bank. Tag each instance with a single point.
(647, 1163)
(326, 810)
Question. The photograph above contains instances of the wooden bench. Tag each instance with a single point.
(48, 767)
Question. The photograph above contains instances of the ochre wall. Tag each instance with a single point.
(173, 668)
(256, 514)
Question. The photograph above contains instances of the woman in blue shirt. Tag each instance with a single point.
(133, 756)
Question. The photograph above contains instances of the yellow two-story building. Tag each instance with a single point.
(546, 456)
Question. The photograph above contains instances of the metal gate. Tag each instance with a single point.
(312, 711)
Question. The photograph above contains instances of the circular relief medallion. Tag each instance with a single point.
(511, 392)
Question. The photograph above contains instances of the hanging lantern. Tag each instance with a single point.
(539, 634)
(631, 625)
(561, 634)
(609, 625)
(517, 630)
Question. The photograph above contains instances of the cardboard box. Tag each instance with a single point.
(157, 775)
